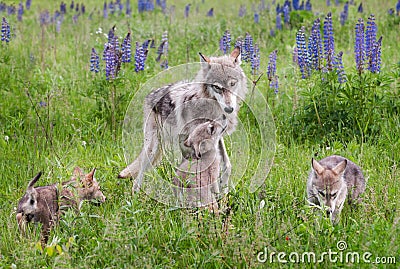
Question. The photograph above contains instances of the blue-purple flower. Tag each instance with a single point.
(94, 61)
(302, 53)
(248, 48)
(187, 9)
(111, 62)
(360, 8)
(359, 49)
(339, 68)
(28, 4)
(105, 10)
(398, 8)
(225, 42)
(139, 58)
(329, 41)
(255, 60)
(126, 49)
(5, 31)
(271, 69)
(20, 11)
(370, 36)
(242, 11)
(278, 21)
(286, 15)
(308, 6)
(210, 13)
(316, 54)
(375, 60)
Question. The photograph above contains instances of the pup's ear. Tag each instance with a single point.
(235, 54)
(88, 179)
(340, 167)
(77, 172)
(203, 58)
(34, 180)
(317, 167)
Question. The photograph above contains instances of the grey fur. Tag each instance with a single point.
(331, 181)
(173, 111)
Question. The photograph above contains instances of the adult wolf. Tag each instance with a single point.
(218, 88)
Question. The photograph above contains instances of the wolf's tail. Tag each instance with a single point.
(34, 180)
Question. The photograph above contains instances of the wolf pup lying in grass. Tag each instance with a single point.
(331, 180)
(198, 174)
(44, 204)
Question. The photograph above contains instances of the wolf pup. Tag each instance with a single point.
(197, 177)
(331, 180)
(44, 204)
(218, 88)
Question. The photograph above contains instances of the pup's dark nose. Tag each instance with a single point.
(228, 109)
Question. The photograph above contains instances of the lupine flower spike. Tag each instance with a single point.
(255, 60)
(339, 68)
(94, 61)
(225, 42)
(5, 31)
(126, 49)
(271, 71)
(302, 52)
(359, 50)
(329, 42)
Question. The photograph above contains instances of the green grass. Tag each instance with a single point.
(75, 128)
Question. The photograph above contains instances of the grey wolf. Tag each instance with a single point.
(173, 111)
(45, 204)
(197, 176)
(331, 181)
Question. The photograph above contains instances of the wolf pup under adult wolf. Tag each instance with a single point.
(197, 176)
(218, 88)
(44, 204)
(331, 180)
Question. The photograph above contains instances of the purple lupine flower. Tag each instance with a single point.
(272, 32)
(77, 7)
(115, 44)
(28, 4)
(242, 11)
(398, 8)
(248, 48)
(329, 42)
(210, 13)
(164, 64)
(152, 44)
(83, 8)
(111, 35)
(359, 49)
(187, 9)
(318, 53)
(360, 8)
(390, 11)
(336, 2)
(271, 69)
(278, 21)
(139, 58)
(328, 3)
(255, 60)
(164, 40)
(370, 36)
(308, 5)
(301, 6)
(72, 5)
(20, 11)
(110, 59)
(375, 61)
(302, 52)
(149, 5)
(295, 56)
(63, 8)
(126, 49)
(286, 15)
(128, 10)
(225, 42)
(94, 61)
(11, 10)
(5, 31)
(296, 4)
(339, 68)
(145, 44)
(44, 18)
(111, 8)
(256, 18)
(105, 10)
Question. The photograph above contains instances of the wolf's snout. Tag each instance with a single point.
(228, 109)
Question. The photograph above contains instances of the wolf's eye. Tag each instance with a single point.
(321, 193)
(217, 89)
(333, 195)
(233, 83)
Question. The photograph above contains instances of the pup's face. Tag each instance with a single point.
(328, 184)
(205, 136)
(90, 188)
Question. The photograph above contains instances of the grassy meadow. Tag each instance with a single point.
(56, 114)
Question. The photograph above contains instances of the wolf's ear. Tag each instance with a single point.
(203, 58)
(340, 167)
(235, 54)
(319, 169)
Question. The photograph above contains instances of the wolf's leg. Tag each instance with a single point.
(340, 201)
(151, 151)
(226, 168)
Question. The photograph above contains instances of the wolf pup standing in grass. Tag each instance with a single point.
(197, 176)
(331, 180)
(218, 88)
(44, 204)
